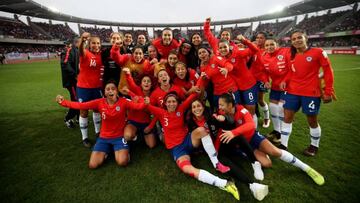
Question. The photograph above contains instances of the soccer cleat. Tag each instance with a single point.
(266, 123)
(222, 168)
(283, 147)
(86, 142)
(316, 176)
(259, 191)
(311, 150)
(231, 188)
(69, 123)
(258, 173)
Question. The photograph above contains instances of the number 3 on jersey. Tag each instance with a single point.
(166, 121)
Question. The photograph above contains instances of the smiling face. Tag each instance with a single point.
(203, 54)
(128, 39)
(197, 109)
(116, 37)
(152, 52)
(171, 104)
(226, 107)
(167, 37)
(270, 46)
(224, 48)
(260, 39)
(95, 44)
(185, 48)
(146, 83)
(141, 39)
(138, 55)
(225, 35)
(196, 39)
(298, 40)
(163, 77)
(111, 92)
(180, 70)
(172, 59)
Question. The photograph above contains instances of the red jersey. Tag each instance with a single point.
(257, 67)
(241, 74)
(213, 41)
(91, 70)
(193, 78)
(276, 66)
(157, 96)
(139, 116)
(165, 50)
(173, 124)
(113, 117)
(245, 125)
(221, 83)
(303, 77)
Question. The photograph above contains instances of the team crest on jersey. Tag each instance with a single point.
(280, 57)
(239, 121)
(212, 65)
(233, 60)
(309, 59)
(117, 108)
(178, 114)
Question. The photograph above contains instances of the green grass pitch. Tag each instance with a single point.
(43, 161)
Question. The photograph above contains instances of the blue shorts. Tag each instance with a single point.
(256, 140)
(276, 95)
(261, 86)
(249, 96)
(88, 94)
(139, 126)
(185, 148)
(236, 96)
(109, 145)
(309, 105)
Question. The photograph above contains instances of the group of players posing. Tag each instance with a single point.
(163, 95)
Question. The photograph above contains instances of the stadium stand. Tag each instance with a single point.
(57, 31)
(103, 33)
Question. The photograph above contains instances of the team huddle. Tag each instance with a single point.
(190, 94)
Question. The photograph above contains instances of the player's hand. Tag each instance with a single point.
(59, 99)
(147, 100)
(117, 44)
(153, 61)
(226, 137)
(203, 75)
(126, 70)
(267, 85)
(326, 98)
(282, 86)
(125, 90)
(224, 71)
(85, 36)
(240, 38)
(147, 130)
(220, 118)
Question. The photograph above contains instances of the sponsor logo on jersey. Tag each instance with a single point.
(280, 57)
(117, 108)
(309, 59)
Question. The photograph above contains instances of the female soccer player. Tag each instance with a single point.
(201, 116)
(185, 78)
(111, 69)
(184, 51)
(193, 59)
(136, 62)
(166, 43)
(302, 85)
(216, 69)
(262, 147)
(276, 65)
(153, 55)
(172, 59)
(181, 142)
(113, 112)
(89, 81)
(138, 121)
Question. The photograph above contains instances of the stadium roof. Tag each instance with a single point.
(31, 8)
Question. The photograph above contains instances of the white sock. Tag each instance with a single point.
(285, 133)
(210, 179)
(315, 134)
(265, 110)
(289, 158)
(210, 149)
(97, 121)
(83, 123)
(255, 119)
(281, 111)
(274, 110)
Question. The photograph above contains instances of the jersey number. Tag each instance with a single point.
(251, 97)
(312, 105)
(103, 116)
(166, 121)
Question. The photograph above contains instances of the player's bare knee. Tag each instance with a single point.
(122, 161)
(93, 165)
(266, 163)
